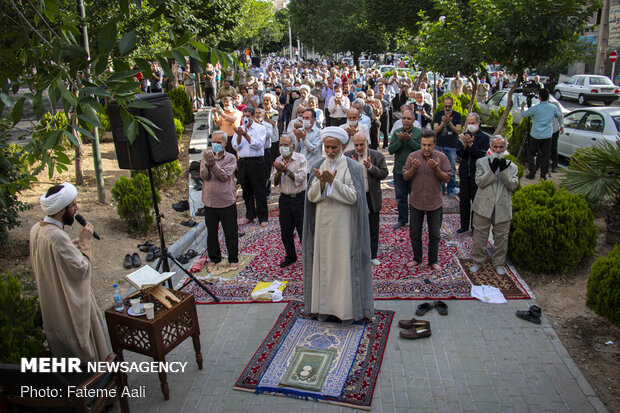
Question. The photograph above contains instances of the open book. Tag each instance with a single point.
(147, 277)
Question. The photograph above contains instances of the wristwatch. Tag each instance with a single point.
(288, 172)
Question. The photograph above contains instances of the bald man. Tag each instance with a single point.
(336, 236)
(354, 126)
(375, 169)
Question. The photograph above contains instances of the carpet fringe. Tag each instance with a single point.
(297, 394)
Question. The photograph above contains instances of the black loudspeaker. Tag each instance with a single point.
(256, 61)
(146, 152)
(194, 65)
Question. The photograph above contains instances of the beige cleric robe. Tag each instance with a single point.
(331, 276)
(73, 324)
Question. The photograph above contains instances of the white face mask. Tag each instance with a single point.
(246, 121)
(498, 155)
(338, 94)
(353, 123)
(285, 151)
(473, 128)
(307, 124)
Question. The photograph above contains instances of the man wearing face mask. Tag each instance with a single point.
(375, 169)
(423, 111)
(219, 194)
(297, 123)
(336, 236)
(227, 119)
(353, 126)
(497, 180)
(291, 174)
(338, 107)
(249, 142)
(304, 93)
(308, 138)
(472, 145)
(447, 127)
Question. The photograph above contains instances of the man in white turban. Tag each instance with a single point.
(336, 236)
(73, 323)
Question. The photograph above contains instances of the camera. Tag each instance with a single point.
(530, 89)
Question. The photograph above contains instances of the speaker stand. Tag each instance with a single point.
(164, 254)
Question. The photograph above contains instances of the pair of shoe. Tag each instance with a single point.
(287, 262)
(202, 127)
(132, 261)
(532, 315)
(193, 150)
(189, 223)
(424, 308)
(154, 253)
(184, 259)
(201, 212)
(181, 206)
(399, 225)
(414, 329)
(499, 269)
(530, 176)
(146, 247)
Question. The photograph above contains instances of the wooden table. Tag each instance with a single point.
(156, 337)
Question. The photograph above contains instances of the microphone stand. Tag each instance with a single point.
(165, 255)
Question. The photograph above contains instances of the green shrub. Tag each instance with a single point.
(134, 202)
(164, 175)
(514, 160)
(50, 123)
(456, 104)
(181, 105)
(493, 121)
(516, 140)
(465, 100)
(21, 332)
(15, 177)
(104, 118)
(551, 230)
(604, 286)
(178, 127)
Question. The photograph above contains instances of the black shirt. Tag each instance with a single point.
(446, 137)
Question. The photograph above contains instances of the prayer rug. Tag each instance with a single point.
(450, 205)
(221, 271)
(358, 353)
(508, 284)
(392, 279)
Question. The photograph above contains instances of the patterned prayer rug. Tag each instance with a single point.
(450, 205)
(358, 353)
(392, 279)
(508, 284)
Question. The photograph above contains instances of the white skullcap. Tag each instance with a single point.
(335, 132)
(305, 87)
(338, 81)
(61, 199)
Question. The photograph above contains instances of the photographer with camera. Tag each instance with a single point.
(540, 135)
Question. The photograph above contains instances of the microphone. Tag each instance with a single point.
(80, 219)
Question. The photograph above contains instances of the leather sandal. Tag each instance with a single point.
(532, 315)
(127, 261)
(442, 307)
(407, 324)
(183, 259)
(146, 247)
(416, 333)
(424, 308)
(154, 253)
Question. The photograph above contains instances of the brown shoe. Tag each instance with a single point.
(416, 332)
(407, 324)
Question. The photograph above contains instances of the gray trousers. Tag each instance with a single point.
(482, 226)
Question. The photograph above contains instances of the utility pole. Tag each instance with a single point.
(95, 140)
(290, 42)
(603, 37)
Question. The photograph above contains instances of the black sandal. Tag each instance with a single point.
(424, 308)
(532, 315)
(442, 307)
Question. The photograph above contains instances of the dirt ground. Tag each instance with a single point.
(561, 297)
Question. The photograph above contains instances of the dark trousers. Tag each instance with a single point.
(328, 119)
(291, 218)
(373, 220)
(229, 148)
(402, 189)
(466, 198)
(375, 127)
(541, 149)
(554, 149)
(268, 164)
(210, 96)
(338, 121)
(385, 127)
(252, 180)
(228, 217)
(433, 219)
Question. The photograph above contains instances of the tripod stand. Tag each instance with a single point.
(165, 255)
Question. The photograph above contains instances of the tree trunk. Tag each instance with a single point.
(79, 156)
(416, 86)
(473, 93)
(174, 68)
(612, 236)
(502, 120)
(356, 58)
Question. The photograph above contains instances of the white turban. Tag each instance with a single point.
(305, 87)
(55, 203)
(335, 132)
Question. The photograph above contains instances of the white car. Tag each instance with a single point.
(586, 88)
(587, 127)
(500, 99)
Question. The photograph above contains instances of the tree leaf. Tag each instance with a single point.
(140, 104)
(124, 4)
(128, 87)
(127, 42)
(6, 100)
(101, 63)
(145, 67)
(123, 74)
(158, 11)
(37, 105)
(18, 110)
(107, 37)
(71, 138)
(164, 65)
(189, 51)
(179, 56)
(84, 132)
(200, 47)
(90, 120)
(97, 91)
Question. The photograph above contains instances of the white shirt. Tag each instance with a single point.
(339, 111)
(256, 145)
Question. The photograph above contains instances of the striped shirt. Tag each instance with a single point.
(298, 165)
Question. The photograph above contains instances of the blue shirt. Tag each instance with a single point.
(542, 119)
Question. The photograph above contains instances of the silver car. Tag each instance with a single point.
(587, 127)
(587, 88)
(500, 99)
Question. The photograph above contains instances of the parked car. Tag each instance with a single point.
(500, 99)
(587, 127)
(386, 68)
(587, 88)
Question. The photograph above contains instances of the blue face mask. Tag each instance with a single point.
(358, 89)
(217, 147)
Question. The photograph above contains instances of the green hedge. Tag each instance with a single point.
(164, 176)
(604, 286)
(516, 140)
(178, 127)
(493, 121)
(514, 160)
(21, 329)
(181, 105)
(134, 202)
(551, 230)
